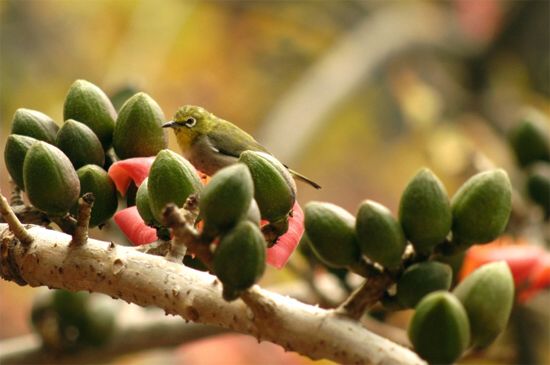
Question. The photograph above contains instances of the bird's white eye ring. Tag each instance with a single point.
(190, 122)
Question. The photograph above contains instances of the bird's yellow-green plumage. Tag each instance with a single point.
(211, 143)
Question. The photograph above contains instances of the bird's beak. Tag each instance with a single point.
(169, 124)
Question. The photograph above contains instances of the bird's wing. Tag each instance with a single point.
(232, 146)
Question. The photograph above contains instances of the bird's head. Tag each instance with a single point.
(189, 122)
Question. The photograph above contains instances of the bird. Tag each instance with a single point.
(211, 143)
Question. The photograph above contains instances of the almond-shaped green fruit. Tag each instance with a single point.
(80, 144)
(425, 211)
(93, 179)
(530, 140)
(239, 260)
(439, 329)
(481, 207)
(226, 199)
(50, 179)
(88, 104)
(15, 152)
(379, 234)
(34, 124)
(488, 296)
(171, 180)
(538, 185)
(420, 279)
(331, 233)
(274, 189)
(143, 204)
(138, 131)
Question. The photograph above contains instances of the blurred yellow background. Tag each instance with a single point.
(357, 95)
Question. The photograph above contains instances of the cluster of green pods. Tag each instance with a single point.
(445, 324)
(55, 165)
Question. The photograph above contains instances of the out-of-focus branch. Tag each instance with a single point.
(348, 64)
(124, 273)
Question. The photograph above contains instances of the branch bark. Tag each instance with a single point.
(127, 274)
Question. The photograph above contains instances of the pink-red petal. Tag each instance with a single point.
(132, 169)
(279, 254)
(133, 226)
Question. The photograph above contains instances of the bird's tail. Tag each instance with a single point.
(301, 177)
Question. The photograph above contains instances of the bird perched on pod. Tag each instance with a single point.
(487, 294)
(211, 143)
(96, 180)
(34, 124)
(15, 151)
(379, 235)
(420, 279)
(439, 329)
(481, 208)
(80, 144)
(171, 180)
(50, 179)
(330, 230)
(226, 199)
(138, 131)
(425, 211)
(88, 104)
(239, 259)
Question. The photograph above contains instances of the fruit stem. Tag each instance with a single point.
(80, 235)
(15, 225)
(186, 236)
(365, 296)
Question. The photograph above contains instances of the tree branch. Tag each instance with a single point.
(125, 273)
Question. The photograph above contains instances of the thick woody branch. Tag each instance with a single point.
(146, 280)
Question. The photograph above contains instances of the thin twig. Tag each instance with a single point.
(15, 225)
(80, 236)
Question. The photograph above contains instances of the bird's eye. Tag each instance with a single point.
(190, 122)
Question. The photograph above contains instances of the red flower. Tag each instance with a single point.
(530, 265)
(279, 254)
(133, 169)
(133, 226)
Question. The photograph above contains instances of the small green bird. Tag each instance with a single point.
(211, 143)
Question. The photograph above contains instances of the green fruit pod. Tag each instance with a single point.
(239, 260)
(538, 185)
(488, 296)
(138, 131)
(439, 329)
(99, 322)
(274, 188)
(88, 104)
(379, 235)
(171, 180)
(143, 204)
(93, 179)
(331, 233)
(15, 152)
(80, 144)
(481, 207)
(425, 211)
(34, 124)
(420, 279)
(530, 140)
(50, 179)
(226, 199)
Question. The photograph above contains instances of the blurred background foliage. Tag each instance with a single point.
(444, 97)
